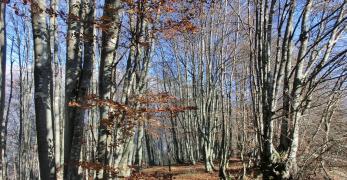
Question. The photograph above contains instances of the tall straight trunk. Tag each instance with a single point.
(56, 92)
(174, 138)
(73, 72)
(286, 60)
(173, 121)
(207, 103)
(42, 83)
(264, 78)
(139, 146)
(22, 106)
(149, 149)
(24, 96)
(108, 52)
(135, 80)
(2, 77)
(244, 119)
(4, 144)
(82, 85)
(224, 153)
(297, 95)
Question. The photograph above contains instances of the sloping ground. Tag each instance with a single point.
(338, 173)
(184, 172)
(197, 172)
(187, 172)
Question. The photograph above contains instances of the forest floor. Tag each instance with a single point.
(197, 172)
(189, 172)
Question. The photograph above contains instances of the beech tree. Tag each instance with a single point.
(108, 56)
(296, 86)
(3, 77)
(244, 89)
(43, 85)
(78, 79)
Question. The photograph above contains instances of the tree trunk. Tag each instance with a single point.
(297, 95)
(108, 52)
(2, 78)
(56, 93)
(42, 81)
(81, 84)
(73, 71)
(139, 148)
(4, 140)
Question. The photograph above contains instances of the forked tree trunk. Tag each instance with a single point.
(297, 95)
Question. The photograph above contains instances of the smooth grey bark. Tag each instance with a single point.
(207, 91)
(43, 99)
(81, 84)
(56, 89)
(149, 150)
(224, 152)
(108, 52)
(286, 62)
(139, 146)
(264, 85)
(84, 80)
(297, 86)
(25, 91)
(22, 113)
(297, 95)
(135, 78)
(195, 74)
(72, 75)
(173, 121)
(5, 132)
(4, 144)
(175, 140)
(2, 78)
(28, 90)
